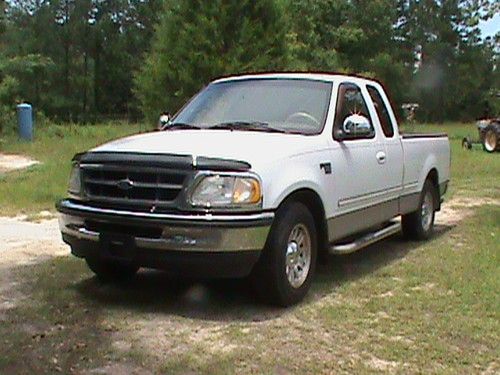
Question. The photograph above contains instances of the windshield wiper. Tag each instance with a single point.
(181, 126)
(247, 126)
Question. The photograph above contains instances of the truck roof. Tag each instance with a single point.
(318, 76)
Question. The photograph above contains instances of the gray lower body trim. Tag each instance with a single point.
(359, 220)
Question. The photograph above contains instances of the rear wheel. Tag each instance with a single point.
(419, 225)
(285, 270)
(111, 270)
(490, 141)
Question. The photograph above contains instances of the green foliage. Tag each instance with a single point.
(455, 75)
(81, 60)
(197, 41)
(88, 49)
(318, 28)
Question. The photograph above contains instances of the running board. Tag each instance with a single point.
(368, 239)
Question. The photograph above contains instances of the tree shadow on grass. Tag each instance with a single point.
(233, 299)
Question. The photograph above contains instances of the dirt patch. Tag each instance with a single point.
(27, 242)
(459, 208)
(118, 369)
(383, 365)
(9, 162)
(24, 243)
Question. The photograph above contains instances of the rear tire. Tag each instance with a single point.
(491, 139)
(286, 267)
(419, 225)
(110, 270)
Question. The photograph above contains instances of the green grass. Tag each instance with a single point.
(398, 306)
(38, 188)
(395, 307)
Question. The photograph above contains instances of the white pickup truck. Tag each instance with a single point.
(258, 175)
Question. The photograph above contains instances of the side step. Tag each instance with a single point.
(368, 239)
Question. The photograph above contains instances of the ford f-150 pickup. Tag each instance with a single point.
(257, 175)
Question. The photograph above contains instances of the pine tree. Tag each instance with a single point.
(197, 41)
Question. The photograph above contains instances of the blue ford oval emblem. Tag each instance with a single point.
(125, 184)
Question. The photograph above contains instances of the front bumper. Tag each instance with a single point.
(222, 245)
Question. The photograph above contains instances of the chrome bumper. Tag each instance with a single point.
(193, 233)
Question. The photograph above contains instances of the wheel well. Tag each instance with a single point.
(313, 202)
(434, 178)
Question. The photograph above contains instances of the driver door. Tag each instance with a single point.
(359, 177)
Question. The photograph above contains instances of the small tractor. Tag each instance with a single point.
(489, 135)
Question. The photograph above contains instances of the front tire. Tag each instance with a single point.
(286, 267)
(110, 270)
(419, 225)
(467, 143)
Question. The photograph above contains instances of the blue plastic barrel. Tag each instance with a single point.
(25, 121)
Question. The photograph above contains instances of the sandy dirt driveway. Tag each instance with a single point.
(24, 242)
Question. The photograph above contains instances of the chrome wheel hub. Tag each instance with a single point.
(427, 211)
(298, 256)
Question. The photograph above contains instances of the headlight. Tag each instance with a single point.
(223, 190)
(75, 184)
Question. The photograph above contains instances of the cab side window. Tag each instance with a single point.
(350, 102)
(382, 112)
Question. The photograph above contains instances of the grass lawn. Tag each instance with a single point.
(39, 187)
(395, 307)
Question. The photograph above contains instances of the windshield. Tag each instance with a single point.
(284, 105)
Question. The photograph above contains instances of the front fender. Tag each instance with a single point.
(280, 181)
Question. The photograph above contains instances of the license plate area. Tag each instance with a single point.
(117, 246)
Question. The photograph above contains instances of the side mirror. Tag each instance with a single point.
(164, 120)
(356, 126)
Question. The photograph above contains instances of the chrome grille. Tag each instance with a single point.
(132, 184)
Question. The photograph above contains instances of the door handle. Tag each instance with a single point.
(381, 157)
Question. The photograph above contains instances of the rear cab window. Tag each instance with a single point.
(382, 111)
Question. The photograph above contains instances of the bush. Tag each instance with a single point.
(7, 119)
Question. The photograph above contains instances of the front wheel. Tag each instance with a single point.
(285, 270)
(419, 225)
(467, 143)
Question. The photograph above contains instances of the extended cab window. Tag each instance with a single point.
(352, 105)
(382, 112)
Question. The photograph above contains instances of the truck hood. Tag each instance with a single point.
(255, 148)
